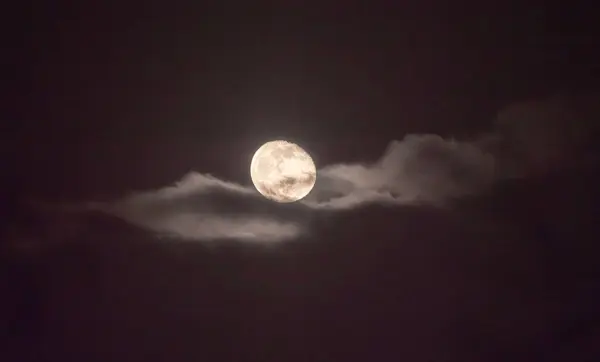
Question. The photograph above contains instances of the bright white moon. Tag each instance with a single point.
(282, 171)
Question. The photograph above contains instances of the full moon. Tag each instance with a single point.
(282, 171)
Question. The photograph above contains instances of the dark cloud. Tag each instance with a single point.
(536, 137)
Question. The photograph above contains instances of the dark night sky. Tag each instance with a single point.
(113, 98)
(172, 88)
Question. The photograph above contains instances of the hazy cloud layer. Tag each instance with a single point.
(538, 136)
(528, 137)
(420, 168)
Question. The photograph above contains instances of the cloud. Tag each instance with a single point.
(418, 169)
(202, 207)
(534, 137)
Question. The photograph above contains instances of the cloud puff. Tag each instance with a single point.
(417, 169)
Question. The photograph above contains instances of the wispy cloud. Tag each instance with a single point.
(420, 168)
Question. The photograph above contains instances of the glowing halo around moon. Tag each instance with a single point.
(282, 171)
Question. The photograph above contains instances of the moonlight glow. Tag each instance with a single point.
(282, 171)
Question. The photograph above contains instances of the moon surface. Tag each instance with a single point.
(282, 171)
